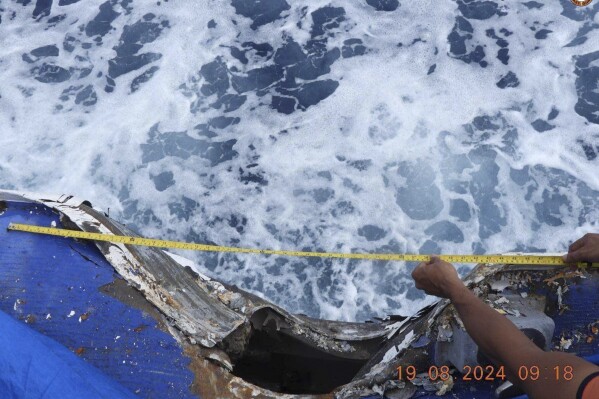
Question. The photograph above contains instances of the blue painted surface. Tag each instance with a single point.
(43, 275)
(37, 367)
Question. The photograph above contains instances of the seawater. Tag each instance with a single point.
(370, 126)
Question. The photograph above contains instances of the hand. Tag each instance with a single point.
(437, 277)
(585, 249)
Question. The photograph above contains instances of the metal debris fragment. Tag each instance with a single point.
(590, 339)
(500, 285)
(17, 303)
(440, 387)
(502, 300)
(564, 275)
(444, 333)
(445, 387)
(395, 350)
(560, 305)
(564, 344)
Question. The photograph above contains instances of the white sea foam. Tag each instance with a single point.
(387, 110)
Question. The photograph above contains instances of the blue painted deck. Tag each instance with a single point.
(44, 279)
(33, 366)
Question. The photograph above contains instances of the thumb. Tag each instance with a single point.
(574, 257)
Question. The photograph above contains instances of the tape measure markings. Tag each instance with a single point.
(150, 242)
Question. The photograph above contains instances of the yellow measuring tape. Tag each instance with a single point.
(150, 242)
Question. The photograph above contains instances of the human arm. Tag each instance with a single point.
(498, 337)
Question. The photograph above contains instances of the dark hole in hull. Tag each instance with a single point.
(281, 363)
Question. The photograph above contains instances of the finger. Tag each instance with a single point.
(576, 245)
(576, 256)
(573, 266)
(417, 271)
(434, 259)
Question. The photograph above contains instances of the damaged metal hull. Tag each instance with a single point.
(148, 320)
